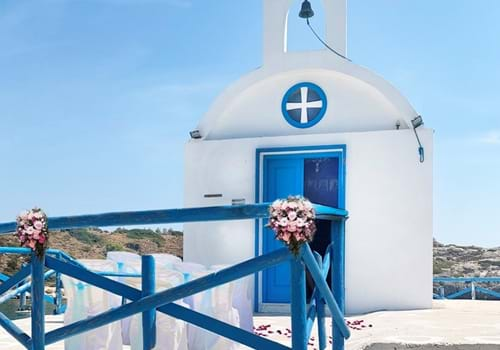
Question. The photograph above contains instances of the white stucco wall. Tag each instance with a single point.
(358, 100)
(388, 196)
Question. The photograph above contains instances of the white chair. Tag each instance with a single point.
(199, 339)
(201, 302)
(76, 310)
(122, 260)
(224, 310)
(217, 303)
(166, 260)
(171, 333)
(188, 269)
(123, 257)
(83, 301)
(242, 299)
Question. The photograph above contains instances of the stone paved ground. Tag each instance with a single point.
(457, 325)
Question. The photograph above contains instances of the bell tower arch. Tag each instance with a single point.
(276, 14)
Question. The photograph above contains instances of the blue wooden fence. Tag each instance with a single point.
(470, 286)
(146, 301)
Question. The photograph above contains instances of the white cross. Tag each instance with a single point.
(303, 105)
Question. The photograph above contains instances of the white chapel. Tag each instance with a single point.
(313, 123)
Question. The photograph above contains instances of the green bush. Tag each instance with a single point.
(84, 235)
(111, 247)
(175, 232)
(147, 234)
(133, 246)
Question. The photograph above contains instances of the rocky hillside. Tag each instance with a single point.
(449, 259)
(465, 261)
(94, 243)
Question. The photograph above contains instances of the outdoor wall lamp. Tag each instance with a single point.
(417, 122)
(195, 134)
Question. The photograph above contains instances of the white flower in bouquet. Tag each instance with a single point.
(292, 220)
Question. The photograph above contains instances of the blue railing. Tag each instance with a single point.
(470, 286)
(25, 286)
(147, 302)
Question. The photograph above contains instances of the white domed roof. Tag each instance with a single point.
(345, 97)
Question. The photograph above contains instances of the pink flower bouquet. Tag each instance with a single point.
(292, 220)
(32, 230)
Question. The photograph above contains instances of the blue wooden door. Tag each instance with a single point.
(318, 177)
(284, 176)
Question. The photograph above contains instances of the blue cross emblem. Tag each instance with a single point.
(304, 105)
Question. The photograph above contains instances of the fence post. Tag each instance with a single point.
(22, 301)
(37, 302)
(121, 268)
(473, 291)
(298, 296)
(58, 299)
(22, 296)
(441, 292)
(320, 312)
(338, 277)
(148, 317)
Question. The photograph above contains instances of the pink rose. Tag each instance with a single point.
(38, 225)
(283, 222)
(292, 215)
(292, 226)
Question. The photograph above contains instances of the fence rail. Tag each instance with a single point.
(172, 216)
(470, 286)
(145, 301)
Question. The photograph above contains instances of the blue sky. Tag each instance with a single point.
(97, 96)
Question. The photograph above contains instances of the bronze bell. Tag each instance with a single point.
(306, 10)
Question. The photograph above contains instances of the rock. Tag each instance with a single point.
(451, 260)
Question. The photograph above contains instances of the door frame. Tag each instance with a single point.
(300, 151)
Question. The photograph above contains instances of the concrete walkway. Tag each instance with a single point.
(460, 325)
(451, 324)
(457, 325)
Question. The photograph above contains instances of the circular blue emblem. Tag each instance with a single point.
(304, 105)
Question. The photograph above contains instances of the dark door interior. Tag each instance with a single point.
(321, 186)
